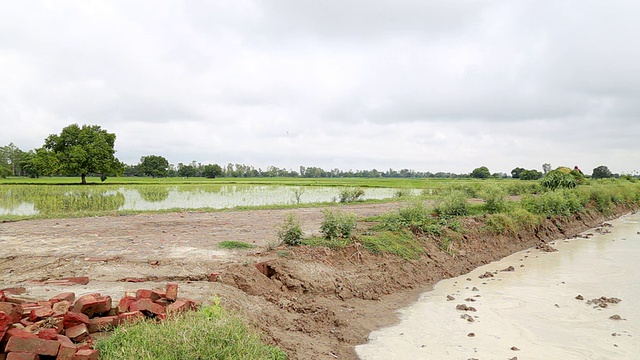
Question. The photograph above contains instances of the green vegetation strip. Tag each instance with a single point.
(211, 333)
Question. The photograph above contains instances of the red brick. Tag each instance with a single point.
(146, 305)
(73, 319)
(77, 333)
(179, 305)
(65, 296)
(39, 313)
(172, 291)
(26, 322)
(21, 333)
(147, 294)
(86, 354)
(5, 322)
(3, 297)
(87, 305)
(128, 317)
(22, 356)
(14, 311)
(67, 348)
(104, 304)
(125, 302)
(36, 346)
(48, 334)
(101, 323)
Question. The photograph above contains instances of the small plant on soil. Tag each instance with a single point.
(231, 244)
(338, 225)
(453, 204)
(297, 194)
(494, 199)
(290, 232)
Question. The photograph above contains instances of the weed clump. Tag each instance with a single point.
(453, 204)
(351, 194)
(290, 232)
(338, 225)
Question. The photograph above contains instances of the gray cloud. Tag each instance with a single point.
(429, 85)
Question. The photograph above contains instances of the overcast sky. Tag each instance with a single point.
(426, 85)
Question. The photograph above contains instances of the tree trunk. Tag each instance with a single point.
(84, 179)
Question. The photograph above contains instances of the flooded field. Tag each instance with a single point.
(52, 200)
(541, 308)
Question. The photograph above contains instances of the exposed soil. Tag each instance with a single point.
(312, 302)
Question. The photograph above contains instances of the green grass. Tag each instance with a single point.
(231, 244)
(210, 333)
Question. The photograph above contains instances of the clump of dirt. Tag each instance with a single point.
(603, 301)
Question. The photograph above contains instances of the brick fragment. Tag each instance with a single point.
(86, 304)
(128, 317)
(101, 323)
(65, 296)
(86, 354)
(147, 306)
(147, 294)
(22, 356)
(3, 297)
(77, 333)
(172, 291)
(40, 313)
(48, 334)
(21, 333)
(18, 290)
(67, 348)
(125, 302)
(81, 280)
(33, 345)
(5, 322)
(73, 319)
(179, 305)
(14, 311)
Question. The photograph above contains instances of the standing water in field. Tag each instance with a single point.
(541, 308)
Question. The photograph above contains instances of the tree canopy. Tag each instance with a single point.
(481, 173)
(154, 166)
(78, 151)
(601, 172)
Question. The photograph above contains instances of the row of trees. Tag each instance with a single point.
(88, 149)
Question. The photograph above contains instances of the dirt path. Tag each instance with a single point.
(313, 302)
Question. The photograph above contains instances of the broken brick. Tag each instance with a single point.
(60, 307)
(101, 323)
(32, 345)
(146, 305)
(3, 297)
(65, 296)
(14, 311)
(73, 319)
(77, 333)
(147, 294)
(22, 356)
(172, 291)
(179, 305)
(128, 317)
(40, 313)
(19, 290)
(86, 354)
(125, 302)
(5, 322)
(48, 334)
(67, 348)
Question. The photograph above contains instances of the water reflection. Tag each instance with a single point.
(53, 200)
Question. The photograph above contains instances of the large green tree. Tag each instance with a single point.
(481, 173)
(154, 166)
(79, 150)
(601, 172)
(212, 170)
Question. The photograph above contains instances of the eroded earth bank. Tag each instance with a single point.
(312, 302)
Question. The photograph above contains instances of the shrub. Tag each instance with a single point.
(557, 179)
(453, 204)
(351, 194)
(559, 202)
(494, 199)
(230, 244)
(338, 225)
(501, 224)
(290, 232)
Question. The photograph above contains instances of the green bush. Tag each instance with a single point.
(557, 179)
(290, 232)
(552, 203)
(501, 224)
(338, 225)
(453, 204)
(231, 244)
(351, 194)
(211, 333)
(494, 199)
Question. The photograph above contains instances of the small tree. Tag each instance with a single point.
(515, 173)
(187, 171)
(530, 175)
(79, 151)
(601, 172)
(212, 171)
(481, 173)
(154, 166)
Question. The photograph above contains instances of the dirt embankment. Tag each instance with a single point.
(313, 302)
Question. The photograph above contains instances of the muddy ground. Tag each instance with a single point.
(312, 302)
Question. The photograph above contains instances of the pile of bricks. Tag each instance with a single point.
(64, 329)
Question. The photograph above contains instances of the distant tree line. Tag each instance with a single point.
(89, 150)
